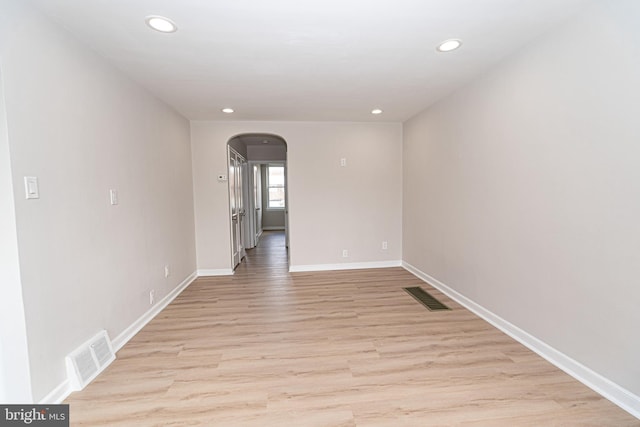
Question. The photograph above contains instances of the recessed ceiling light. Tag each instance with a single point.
(160, 23)
(449, 45)
(376, 111)
(227, 110)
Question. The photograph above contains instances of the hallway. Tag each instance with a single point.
(269, 257)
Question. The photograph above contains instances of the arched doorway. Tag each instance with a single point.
(258, 196)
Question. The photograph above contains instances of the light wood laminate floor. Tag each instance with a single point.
(342, 348)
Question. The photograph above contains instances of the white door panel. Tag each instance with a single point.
(237, 167)
(235, 250)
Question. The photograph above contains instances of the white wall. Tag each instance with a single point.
(82, 128)
(15, 379)
(522, 190)
(330, 207)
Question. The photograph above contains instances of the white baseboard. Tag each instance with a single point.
(345, 266)
(600, 384)
(58, 394)
(136, 326)
(63, 390)
(219, 272)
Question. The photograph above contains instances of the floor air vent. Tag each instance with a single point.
(88, 360)
(424, 298)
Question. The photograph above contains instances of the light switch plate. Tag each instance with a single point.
(31, 187)
(113, 196)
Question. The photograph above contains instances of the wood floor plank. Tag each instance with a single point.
(344, 348)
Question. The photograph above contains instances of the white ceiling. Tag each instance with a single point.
(306, 59)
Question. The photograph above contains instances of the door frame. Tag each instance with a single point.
(248, 231)
(252, 226)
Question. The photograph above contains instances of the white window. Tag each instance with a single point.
(275, 186)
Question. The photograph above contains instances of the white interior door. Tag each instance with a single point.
(286, 208)
(250, 217)
(237, 200)
(233, 205)
(241, 192)
(257, 201)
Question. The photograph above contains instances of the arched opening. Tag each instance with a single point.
(258, 194)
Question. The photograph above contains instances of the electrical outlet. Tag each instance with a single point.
(152, 296)
(343, 162)
(345, 253)
(385, 246)
(167, 272)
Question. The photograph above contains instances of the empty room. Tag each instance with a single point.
(320, 213)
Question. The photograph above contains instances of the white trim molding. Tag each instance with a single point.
(345, 266)
(598, 383)
(58, 394)
(219, 272)
(136, 326)
(63, 390)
